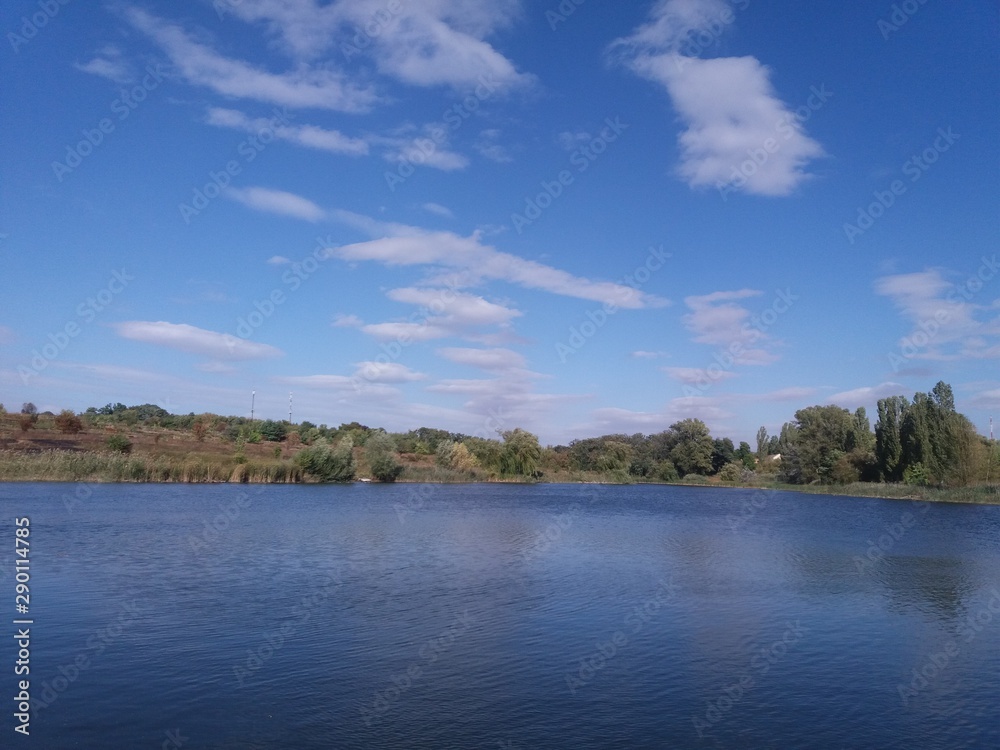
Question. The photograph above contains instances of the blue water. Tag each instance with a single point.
(501, 616)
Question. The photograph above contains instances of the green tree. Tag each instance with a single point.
(521, 454)
(383, 460)
(761, 443)
(745, 455)
(328, 463)
(822, 438)
(723, 452)
(272, 431)
(888, 443)
(692, 452)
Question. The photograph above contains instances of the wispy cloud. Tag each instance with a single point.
(443, 42)
(438, 210)
(188, 338)
(109, 64)
(199, 64)
(277, 202)
(866, 395)
(947, 321)
(717, 320)
(308, 136)
(403, 245)
(728, 104)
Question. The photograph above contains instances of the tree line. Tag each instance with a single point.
(923, 441)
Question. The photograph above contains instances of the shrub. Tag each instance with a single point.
(916, 475)
(326, 463)
(380, 452)
(731, 472)
(26, 421)
(68, 423)
(667, 472)
(199, 429)
(273, 432)
(119, 444)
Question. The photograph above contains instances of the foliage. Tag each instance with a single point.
(822, 437)
(272, 431)
(731, 472)
(520, 455)
(693, 448)
(119, 444)
(455, 456)
(68, 423)
(29, 408)
(916, 475)
(383, 461)
(26, 421)
(328, 463)
(199, 429)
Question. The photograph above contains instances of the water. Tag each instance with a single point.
(501, 616)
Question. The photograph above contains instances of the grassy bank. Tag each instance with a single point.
(94, 466)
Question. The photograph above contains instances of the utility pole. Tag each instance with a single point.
(289, 407)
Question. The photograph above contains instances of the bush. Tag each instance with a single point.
(68, 423)
(273, 432)
(667, 472)
(326, 463)
(119, 444)
(916, 475)
(380, 452)
(26, 421)
(731, 472)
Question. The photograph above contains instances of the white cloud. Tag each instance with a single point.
(278, 260)
(424, 151)
(414, 332)
(438, 210)
(108, 64)
(487, 146)
(866, 396)
(947, 322)
(188, 338)
(438, 42)
(716, 320)
(347, 321)
(409, 246)
(696, 376)
(641, 354)
(277, 202)
(728, 104)
(308, 136)
(497, 360)
(386, 372)
(203, 66)
(455, 309)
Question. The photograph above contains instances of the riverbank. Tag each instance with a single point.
(106, 467)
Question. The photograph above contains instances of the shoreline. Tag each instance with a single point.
(975, 495)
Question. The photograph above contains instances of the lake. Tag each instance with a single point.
(501, 616)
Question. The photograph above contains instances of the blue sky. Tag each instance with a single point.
(576, 218)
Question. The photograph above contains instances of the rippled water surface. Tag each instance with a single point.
(502, 616)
